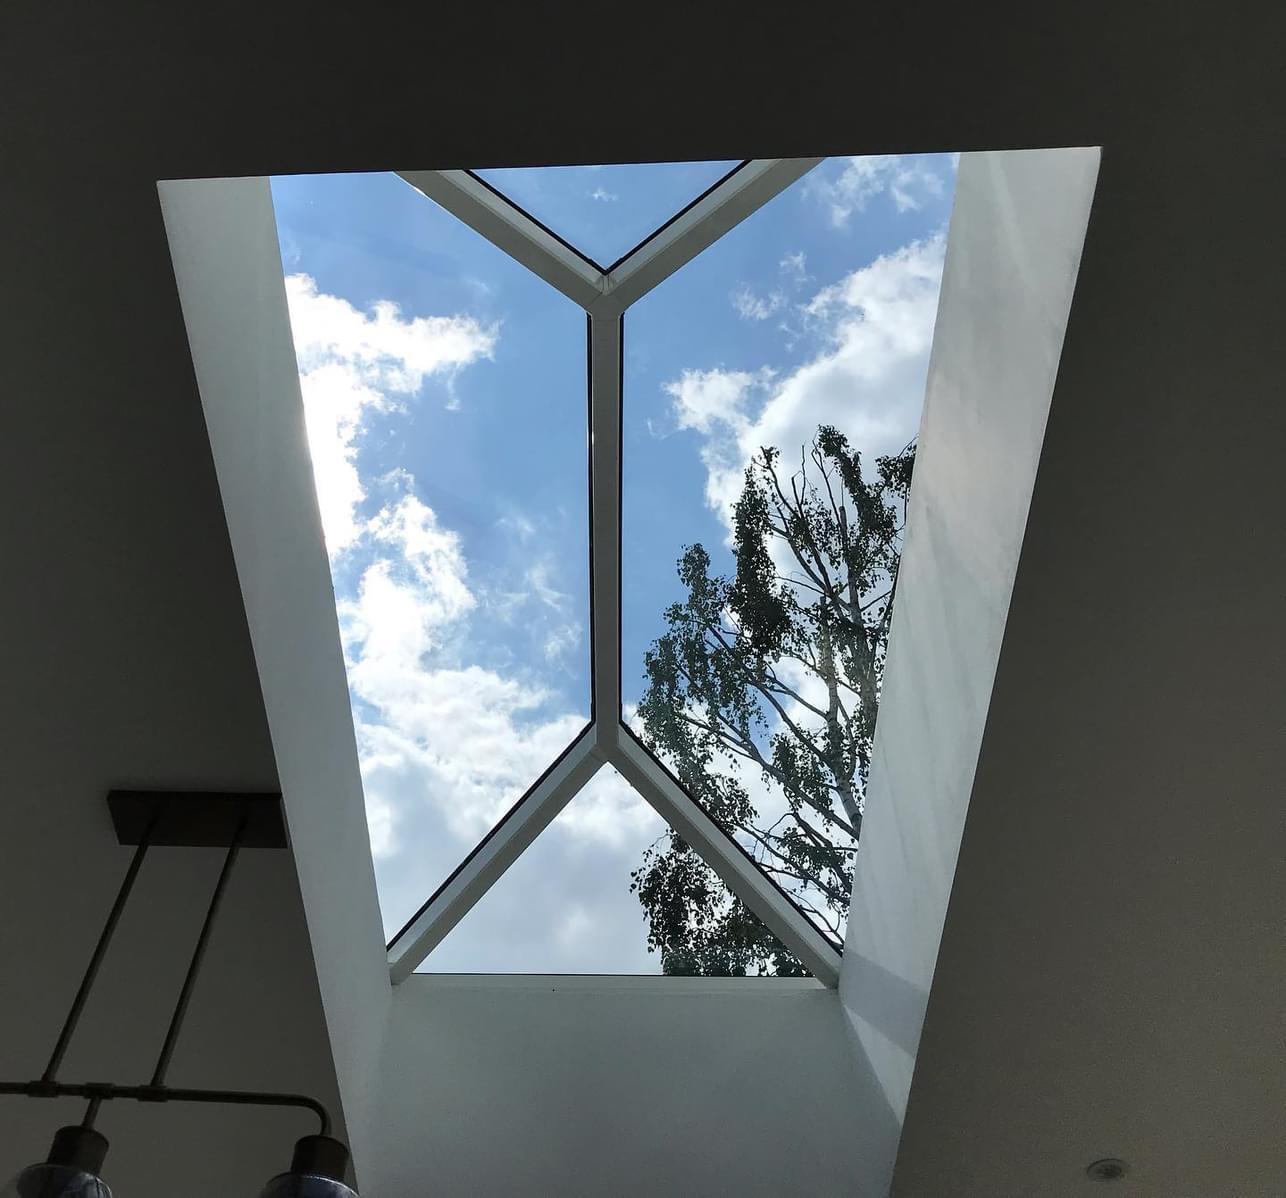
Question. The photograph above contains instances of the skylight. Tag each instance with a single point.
(498, 615)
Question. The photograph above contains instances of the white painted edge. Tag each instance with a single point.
(1018, 226)
(223, 243)
(620, 983)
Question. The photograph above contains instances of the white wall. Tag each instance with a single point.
(1017, 229)
(621, 1086)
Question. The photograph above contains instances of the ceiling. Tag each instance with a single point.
(1110, 977)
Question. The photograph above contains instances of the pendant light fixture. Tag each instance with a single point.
(75, 1160)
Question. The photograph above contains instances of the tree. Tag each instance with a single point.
(770, 680)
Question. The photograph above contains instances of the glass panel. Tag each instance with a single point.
(445, 399)
(605, 211)
(755, 614)
(573, 903)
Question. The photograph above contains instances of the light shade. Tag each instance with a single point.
(305, 1185)
(316, 1171)
(55, 1181)
(70, 1172)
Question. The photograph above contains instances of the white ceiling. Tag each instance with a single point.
(1110, 977)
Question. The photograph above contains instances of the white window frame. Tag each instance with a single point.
(605, 295)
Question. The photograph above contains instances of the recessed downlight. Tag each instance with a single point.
(1110, 1168)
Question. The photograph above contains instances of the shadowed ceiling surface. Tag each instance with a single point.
(1110, 977)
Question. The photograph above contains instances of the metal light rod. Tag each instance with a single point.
(97, 1092)
(96, 958)
(198, 956)
(144, 819)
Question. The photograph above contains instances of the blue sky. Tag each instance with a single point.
(445, 394)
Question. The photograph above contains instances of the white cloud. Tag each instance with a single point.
(707, 399)
(604, 196)
(540, 588)
(716, 403)
(794, 267)
(335, 404)
(565, 905)
(433, 554)
(379, 823)
(610, 812)
(543, 609)
(868, 380)
(460, 742)
(353, 363)
(387, 350)
(907, 181)
(561, 640)
(432, 729)
(750, 306)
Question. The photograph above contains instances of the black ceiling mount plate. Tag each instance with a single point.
(198, 818)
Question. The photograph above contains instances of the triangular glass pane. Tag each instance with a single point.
(746, 625)
(605, 211)
(585, 894)
(444, 397)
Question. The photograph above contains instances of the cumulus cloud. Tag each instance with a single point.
(907, 181)
(875, 326)
(609, 812)
(707, 400)
(436, 731)
(431, 553)
(353, 363)
(462, 740)
(716, 403)
(564, 906)
(335, 404)
(387, 350)
(604, 196)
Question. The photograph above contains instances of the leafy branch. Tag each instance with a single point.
(770, 679)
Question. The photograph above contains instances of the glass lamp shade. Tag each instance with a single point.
(315, 1172)
(70, 1172)
(55, 1181)
(305, 1185)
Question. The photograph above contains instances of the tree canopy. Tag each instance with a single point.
(762, 694)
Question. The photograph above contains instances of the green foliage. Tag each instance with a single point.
(771, 679)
